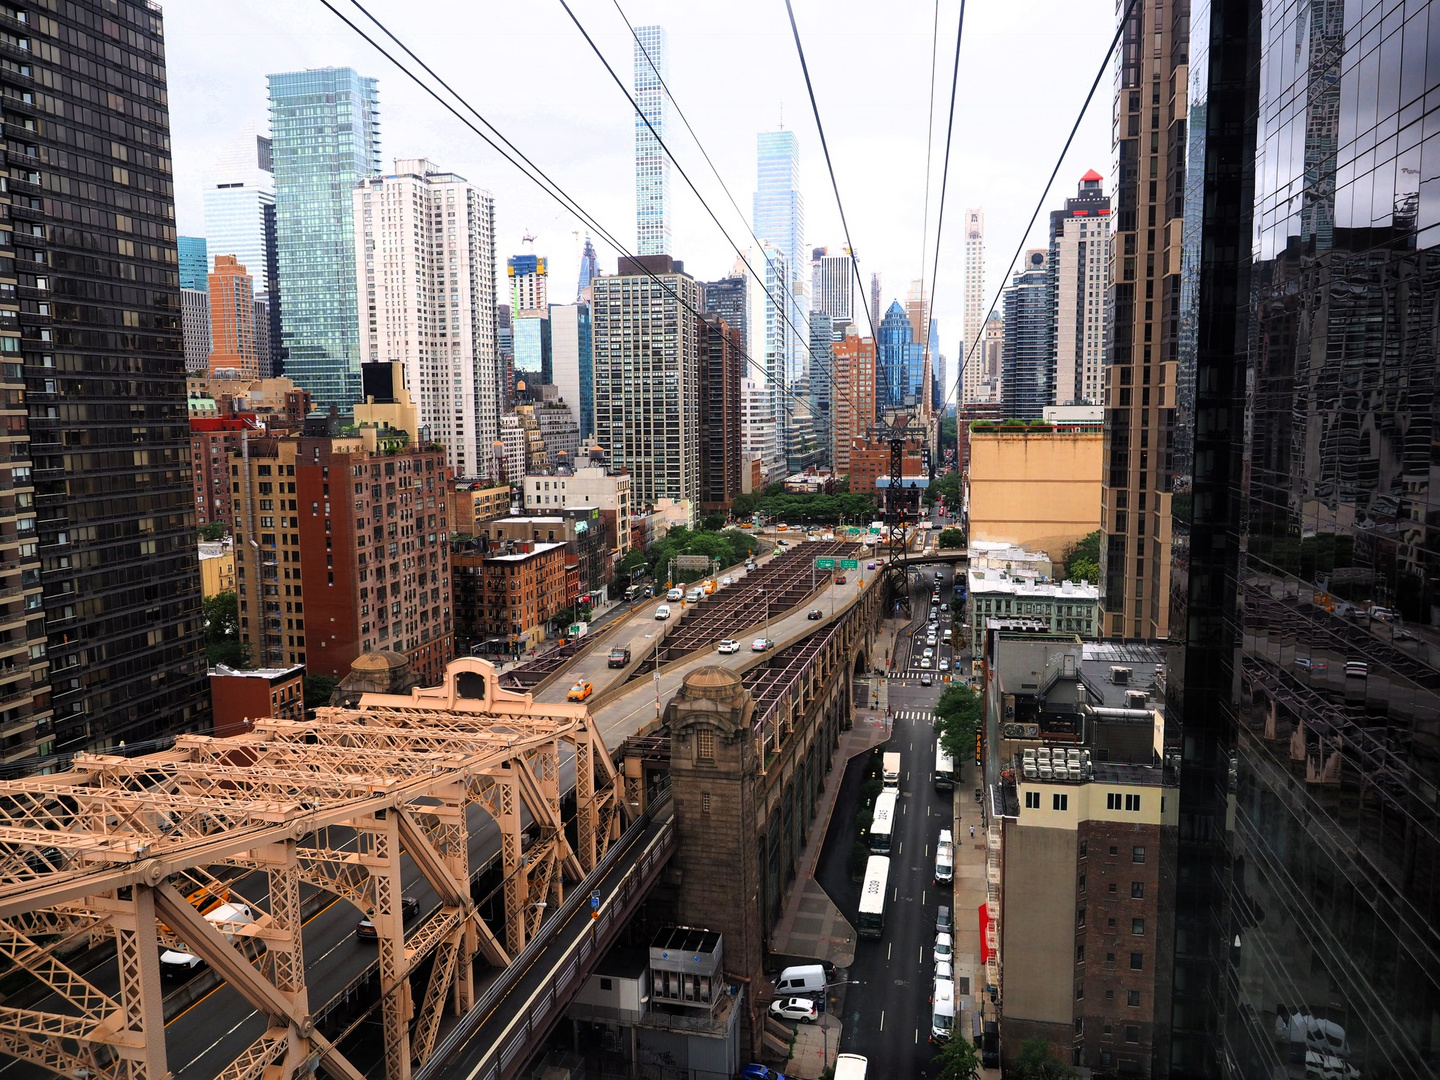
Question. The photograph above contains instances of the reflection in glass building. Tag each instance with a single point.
(1305, 614)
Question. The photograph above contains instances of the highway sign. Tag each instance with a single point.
(849, 564)
(825, 564)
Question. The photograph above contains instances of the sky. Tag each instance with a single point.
(1024, 70)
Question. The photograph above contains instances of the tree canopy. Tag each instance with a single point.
(958, 1059)
(1082, 560)
(222, 632)
(775, 504)
(951, 539)
(726, 548)
(957, 717)
(1036, 1062)
(946, 484)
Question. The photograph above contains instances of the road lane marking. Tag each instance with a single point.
(888, 947)
(882, 1019)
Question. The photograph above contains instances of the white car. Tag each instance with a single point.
(944, 949)
(729, 645)
(930, 640)
(662, 612)
(944, 970)
(944, 665)
(929, 651)
(726, 581)
(925, 661)
(795, 1008)
(760, 644)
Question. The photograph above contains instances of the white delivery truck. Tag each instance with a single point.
(942, 1011)
(890, 769)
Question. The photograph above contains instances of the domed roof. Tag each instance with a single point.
(380, 660)
(712, 678)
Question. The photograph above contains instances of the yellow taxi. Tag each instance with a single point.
(580, 691)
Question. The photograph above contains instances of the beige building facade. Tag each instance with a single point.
(1036, 487)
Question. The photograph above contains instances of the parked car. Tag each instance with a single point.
(814, 613)
(663, 611)
(729, 645)
(580, 691)
(365, 929)
(944, 948)
(943, 921)
(795, 1008)
(619, 657)
(760, 644)
(760, 1072)
(943, 970)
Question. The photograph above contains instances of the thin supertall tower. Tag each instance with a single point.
(652, 167)
(972, 372)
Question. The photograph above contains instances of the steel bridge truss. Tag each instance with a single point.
(114, 847)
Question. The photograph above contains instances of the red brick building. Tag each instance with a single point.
(871, 460)
(254, 694)
(353, 551)
(212, 441)
(509, 588)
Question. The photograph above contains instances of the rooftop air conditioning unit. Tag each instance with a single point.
(1119, 675)
(1135, 699)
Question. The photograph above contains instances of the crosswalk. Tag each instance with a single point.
(915, 714)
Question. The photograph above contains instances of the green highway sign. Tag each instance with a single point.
(824, 564)
(849, 564)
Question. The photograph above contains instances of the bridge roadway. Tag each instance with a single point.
(210, 1032)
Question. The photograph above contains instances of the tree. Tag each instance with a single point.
(713, 522)
(214, 531)
(957, 718)
(222, 631)
(1082, 560)
(634, 560)
(1036, 1062)
(318, 689)
(951, 539)
(958, 1059)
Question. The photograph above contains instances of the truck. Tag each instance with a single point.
(632, 593)
(890, 769)
(619, 657)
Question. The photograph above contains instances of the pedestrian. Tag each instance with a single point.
(972, 832)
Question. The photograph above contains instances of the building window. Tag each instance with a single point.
(1084, 844)
(1079, 991)
(1137, 961)
(1137, 854)
(1059, 802)
(1080, 917)
(1137, 890)
(1112, 800)
(1137, 927)
(1079, 954)
(607, 984)
(1132, 803)
(705, 745)
(1133, 999)
(705, 809)
(1132, 1033)
(1032, 800)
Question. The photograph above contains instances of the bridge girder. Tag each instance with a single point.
(113, 848)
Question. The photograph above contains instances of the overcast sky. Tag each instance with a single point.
(1025, 66)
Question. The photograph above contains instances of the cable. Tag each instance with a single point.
(788, 295)
(549, 186)
(929, 142)
(1039, 205)
(829, 165)
(944, 183)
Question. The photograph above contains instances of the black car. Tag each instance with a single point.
(815, 613)
(365, 929)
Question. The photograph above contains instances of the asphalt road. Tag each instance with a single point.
(887, 1013)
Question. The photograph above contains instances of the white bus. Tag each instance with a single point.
(882, 825)
(944, 769)
(871, 922)
(850, 1067)
(890, 769)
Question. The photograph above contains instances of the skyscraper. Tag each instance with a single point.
(572, 362)
(729, 298)
(529, 283)
(971, 378)
(240, 221)
(821, 382)
(1302, 678)
(721, 371)
(1079, 267)
(901, 359)
(589, 271)
(647, 377)
(875, 297)
(1028, 367)
(325, 131)
(234, 351)
(1143, 301)
(832, 285)
(113, 514)
(425, 286)
(194, 262)
(855, 390)
(652, 167)
(779, 220)
(195, 328)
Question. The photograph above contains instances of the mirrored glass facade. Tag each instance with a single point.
(1305, 616)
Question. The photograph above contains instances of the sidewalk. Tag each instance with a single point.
(969, 893)
(811, 924)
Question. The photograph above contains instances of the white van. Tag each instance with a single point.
(802, 979)
(695, 595)
(945, 859)
(942, 1010)
(226, 918)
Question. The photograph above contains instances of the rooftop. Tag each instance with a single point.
(268, 673)
(1145, 665)
(521, 556)
(989, 580)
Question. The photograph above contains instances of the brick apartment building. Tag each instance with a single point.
(353, 549)
(506, 591)
(212, 442)
(871, 460)
(240, 696)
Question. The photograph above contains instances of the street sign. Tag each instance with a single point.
(825, 564)
(849, 564)
(595, 901)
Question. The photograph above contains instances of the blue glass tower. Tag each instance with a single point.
(652, 167)
(779, 220)
(1028, 362)
(325, 134)
(901, 358)
(589, 269)
(194, 263)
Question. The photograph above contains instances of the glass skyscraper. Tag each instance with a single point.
(779, 220)
(1305, 594)
(901, 359)
(194, 263)
(1028, 365)
(325, 132)
(652, 167)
